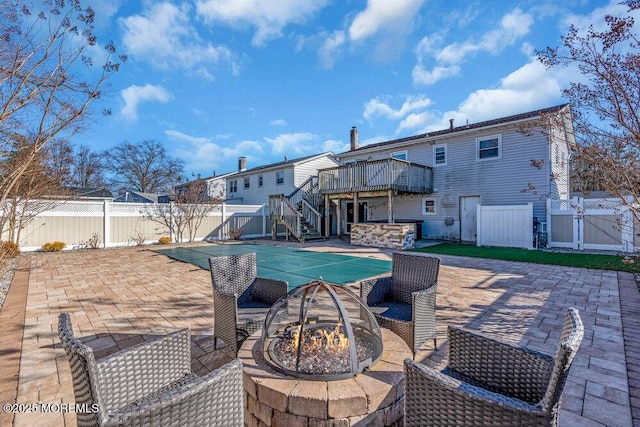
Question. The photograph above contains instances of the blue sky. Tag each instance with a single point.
(217, 79)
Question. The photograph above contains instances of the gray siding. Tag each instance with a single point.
(509, 180)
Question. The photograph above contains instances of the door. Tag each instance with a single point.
(469, 218)
(362, 214)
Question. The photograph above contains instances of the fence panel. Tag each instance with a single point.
(508, 226)
(125, 224)
(602, 224)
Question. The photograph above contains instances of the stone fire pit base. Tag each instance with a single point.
(374, 397)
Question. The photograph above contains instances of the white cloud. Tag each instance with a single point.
(528, 88)
(296, 143)
(134, 95)
(164, 36)
(331, 48)
(377, 108)
(383, 15)
(204, 154)
(335, 146)
(415, 121)
(513, 26)
(269, 17)
(278, 122)
(596, 17)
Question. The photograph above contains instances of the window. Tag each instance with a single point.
(233, 186)
(279, 177)
(400, 155)
(260, 181)
(440, 155)
(428, 206)
(247, 182)
(489, 148)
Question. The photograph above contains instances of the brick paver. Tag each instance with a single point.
(122, 296)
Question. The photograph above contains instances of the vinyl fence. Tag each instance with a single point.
(508, 226)
(124, 224)
(604, 224)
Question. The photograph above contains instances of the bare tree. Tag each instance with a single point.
(144, 166)
(606, 104)
(87, 169)
(37, 190)
(189, 207)
(42, 94)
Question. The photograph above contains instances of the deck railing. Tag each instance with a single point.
(385, 174)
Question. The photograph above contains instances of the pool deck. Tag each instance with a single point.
(119, 297)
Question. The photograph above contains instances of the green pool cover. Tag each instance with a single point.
(293, 265)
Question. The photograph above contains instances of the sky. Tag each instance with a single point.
(213, 80)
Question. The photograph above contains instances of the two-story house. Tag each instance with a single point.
(438, 179)
(254, 185)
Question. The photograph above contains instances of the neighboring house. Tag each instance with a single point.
(253, 186)
(215, 186)
(131, 196)
(438, 179)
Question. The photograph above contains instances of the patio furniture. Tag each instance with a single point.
(241, 300)
(490, 382)
(151, 384)
(405, 301)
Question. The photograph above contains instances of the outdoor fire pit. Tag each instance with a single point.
(321, 332)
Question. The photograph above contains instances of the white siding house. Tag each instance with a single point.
(253, 186)
(509, 161)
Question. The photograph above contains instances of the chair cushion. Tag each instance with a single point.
(393, 310)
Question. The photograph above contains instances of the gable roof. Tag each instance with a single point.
(90, 192)
(479, 125)
(286, 162)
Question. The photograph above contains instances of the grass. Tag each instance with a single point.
(569, 259)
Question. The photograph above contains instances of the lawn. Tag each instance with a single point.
(570, 259)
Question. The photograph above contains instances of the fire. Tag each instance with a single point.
(322, 339)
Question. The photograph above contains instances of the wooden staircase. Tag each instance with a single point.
(299, 212)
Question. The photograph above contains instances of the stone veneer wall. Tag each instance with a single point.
(394, 236)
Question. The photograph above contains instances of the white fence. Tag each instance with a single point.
(122, 224)
(508, 226)
(605, 224)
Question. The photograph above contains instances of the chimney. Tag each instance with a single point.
(242, 164)
(354, 138)
(451, 125)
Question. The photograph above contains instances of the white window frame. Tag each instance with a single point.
(280, 181)
(488, 138)
(260, 180)
(233, 186)
(403, 153)
(424, 210)
(435, 147)
(247, 182)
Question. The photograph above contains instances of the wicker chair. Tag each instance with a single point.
(405, 301)
(241, 300)
(490, 382)
(151, 384)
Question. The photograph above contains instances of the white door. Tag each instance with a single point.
(469, 218)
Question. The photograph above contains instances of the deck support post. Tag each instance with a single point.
(389, 206)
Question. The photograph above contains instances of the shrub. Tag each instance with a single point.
(235, 233)
(164, 240)
(9, 250)
(54, 246)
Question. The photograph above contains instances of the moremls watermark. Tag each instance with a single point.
(53, 408)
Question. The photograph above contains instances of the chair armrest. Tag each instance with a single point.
(374, 291)
(499, 366)
(134, 372)
(214, 399)
(431, 395)
(270, 290)
(225, 316)
(423, 307)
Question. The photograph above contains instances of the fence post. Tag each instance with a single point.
(264, 220)
(106, 230)
(224, 219)
(578, 223)
(479, 235)
(627, 225)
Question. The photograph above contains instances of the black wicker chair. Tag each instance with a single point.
(151, 384)
(490, 382)
(241, 300)
(405, 302)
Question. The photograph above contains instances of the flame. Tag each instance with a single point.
(323, 339)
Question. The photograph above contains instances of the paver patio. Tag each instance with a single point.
(119, 297)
